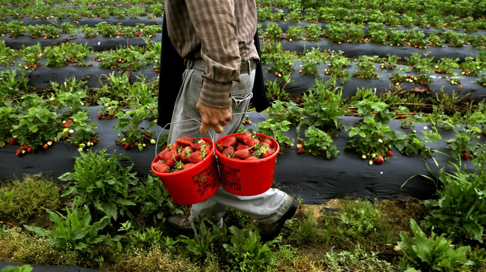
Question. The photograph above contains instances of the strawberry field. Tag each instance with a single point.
(378, 108)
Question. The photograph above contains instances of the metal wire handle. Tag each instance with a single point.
(210, 135)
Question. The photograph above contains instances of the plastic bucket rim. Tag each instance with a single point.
(222, 156)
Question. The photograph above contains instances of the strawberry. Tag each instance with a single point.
(127, 145)
(242, 154)
(267, 142)
(229, 151)
(389, 153)
(242, 146)
(197, 143)
(12, 141)
(29, 149)
(186, 152)
(220, 147)
(300, 150)
(19, 152)
(268, 153)
(46, 146)
(243, 137)
(169, 160)
(184, 141)
(466, 156)
(161, 167)
(100, 116)
(163, 153)
(379, 160)
(230, 141)
(205, 148)
(252, 142)
(194, 157)
(251, 158)
(24, 147)
(188, 165)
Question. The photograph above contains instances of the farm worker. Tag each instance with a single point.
(210, 54)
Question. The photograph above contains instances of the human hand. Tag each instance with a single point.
(213, 118)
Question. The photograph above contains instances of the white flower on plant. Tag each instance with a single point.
(425, 127)
(52, 98)
(380, 140)
(71, 131)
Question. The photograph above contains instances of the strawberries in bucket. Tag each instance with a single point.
(188, 170)
(247, 162)
(185, 153)
(246, 146)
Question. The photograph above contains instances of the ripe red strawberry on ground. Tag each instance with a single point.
(389, 153)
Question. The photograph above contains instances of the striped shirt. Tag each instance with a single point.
(220, 32)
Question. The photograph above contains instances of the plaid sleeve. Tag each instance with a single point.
(215, 24)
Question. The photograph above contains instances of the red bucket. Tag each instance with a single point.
(247, 178)
(192, 185)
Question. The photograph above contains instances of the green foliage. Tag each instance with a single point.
(129, 125)
(276, 129)
(23, 268)
(306, 230)
(356, 260)
(75, 229)
(247, 253)
(432, 253)
(26, 199)
(318, 142)
(102, 182)
(323, 104)
(360, 217)
(207, 240)
(154, 201)
(459, 210)
(375, 137)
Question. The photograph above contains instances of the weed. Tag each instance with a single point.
(356, 260)
(25, 200)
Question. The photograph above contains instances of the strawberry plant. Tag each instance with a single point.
(109, 108)
(7, 55)
(276, 129)
(310, 61)
(80, 133)
(375, 137)
(282, 62)
(336, 66)
(318, 142)
(463, 144)
(482, 80)
(35, 128)
(31, 55)
(294, 33)
(367, 68)
(131, 133)
(323, 104)
(273, 32)
(313, 32)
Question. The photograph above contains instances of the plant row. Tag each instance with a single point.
(364, 16)
(50, 3)
(31, 121)
(413, 8)
(131, 58)
(376, 33)
(282, 63)
(15, 29)
(78, 12)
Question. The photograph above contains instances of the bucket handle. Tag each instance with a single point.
(182, 121)
(210, 135)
